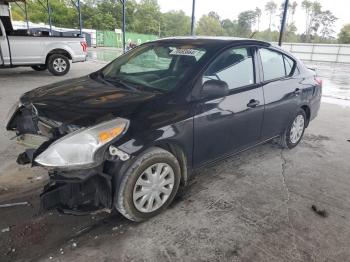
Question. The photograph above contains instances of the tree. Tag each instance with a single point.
(258, 16)
(292, 10)
(327, 20)
(210, 25)
(175, 23)
(147, 17)
(317, 20)
(344, 35)
(246, 20)
(307, 6)
(230, 27)
(270, 8)
(314, 17)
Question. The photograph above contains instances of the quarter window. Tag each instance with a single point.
(273, 64)
(289, 63)
(234, 66)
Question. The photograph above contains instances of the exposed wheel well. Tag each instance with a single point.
(177, 151)
(308, 114)
(59, 51)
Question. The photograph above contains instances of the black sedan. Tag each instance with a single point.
(129, 135)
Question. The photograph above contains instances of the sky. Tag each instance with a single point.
(231, 8)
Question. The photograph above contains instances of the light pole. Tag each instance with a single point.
(192, 21)
(283, 22)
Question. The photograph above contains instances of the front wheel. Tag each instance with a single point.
(58, 64)
(295, 131)
(149, 185)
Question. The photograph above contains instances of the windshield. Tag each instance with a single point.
(158, 66)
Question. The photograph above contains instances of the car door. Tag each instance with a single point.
(227, 124)
(281, 90)
(4, 51)
(1, 56)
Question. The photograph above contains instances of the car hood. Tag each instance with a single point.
(85, 101)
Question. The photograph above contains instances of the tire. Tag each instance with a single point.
(127, 200)
(39, 67)
(58, 64)
(287, 140)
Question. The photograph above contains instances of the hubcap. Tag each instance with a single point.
(59, 65)
(297, 129)
(153, 187)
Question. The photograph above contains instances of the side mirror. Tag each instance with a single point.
(214, 88)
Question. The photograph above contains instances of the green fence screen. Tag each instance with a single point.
(113, 39)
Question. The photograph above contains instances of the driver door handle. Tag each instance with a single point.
(253, 103)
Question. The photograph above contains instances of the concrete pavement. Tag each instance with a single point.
(255, 206)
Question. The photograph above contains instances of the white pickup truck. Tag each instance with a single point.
(39, 51)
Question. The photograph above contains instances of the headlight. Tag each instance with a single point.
(80, 148)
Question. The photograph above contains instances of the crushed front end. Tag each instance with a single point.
(74, 156)
(77, 192)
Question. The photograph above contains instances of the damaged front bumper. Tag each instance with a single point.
(69, 190)
(78, 192)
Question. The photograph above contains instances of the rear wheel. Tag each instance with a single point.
(58, 64)
(295, 131)
(149, 185)
(39, 67)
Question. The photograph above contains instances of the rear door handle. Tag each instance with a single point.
(253, 103)
(297, 91)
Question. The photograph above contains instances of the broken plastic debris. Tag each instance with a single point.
(14, 204)
(7, 229)
(320, 212)
(102, 210)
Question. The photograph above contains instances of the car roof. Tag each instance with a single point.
(209, 40)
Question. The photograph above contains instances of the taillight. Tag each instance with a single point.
(318, 80)
(84, 46)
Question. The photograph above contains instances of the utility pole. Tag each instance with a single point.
(283, 22)
(26, 12)
(193, 18)
(80, 20)
(49, 13)
(123, 2)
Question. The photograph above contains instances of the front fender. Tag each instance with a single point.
(179, 134)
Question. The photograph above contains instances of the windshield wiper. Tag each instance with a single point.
(102, 79)
(121, 82)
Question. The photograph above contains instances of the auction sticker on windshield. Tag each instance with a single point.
(184, 51)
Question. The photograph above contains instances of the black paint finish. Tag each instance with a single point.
(204, 129)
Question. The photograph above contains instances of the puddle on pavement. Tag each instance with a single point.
(336, 82)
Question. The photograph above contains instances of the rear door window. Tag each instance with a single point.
(272, 63)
